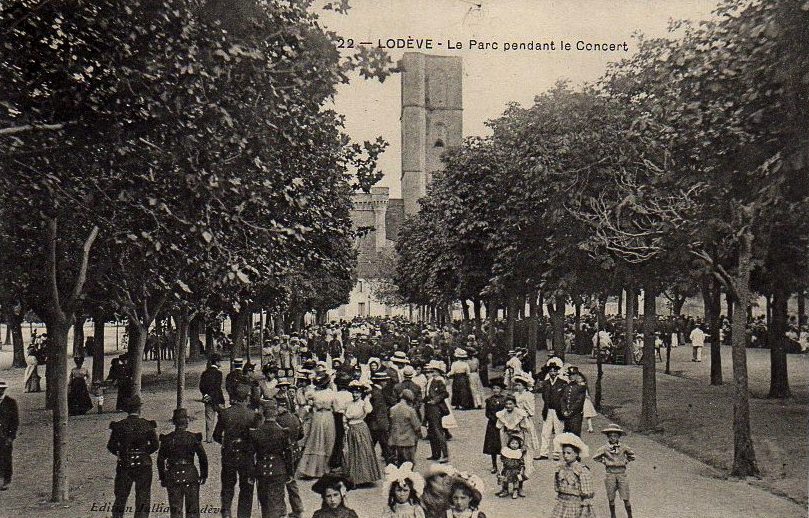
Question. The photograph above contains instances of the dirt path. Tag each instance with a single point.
(665, 483)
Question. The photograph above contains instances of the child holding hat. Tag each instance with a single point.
(615, 456)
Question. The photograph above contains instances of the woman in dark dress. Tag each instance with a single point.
(495, 403)
(78, 396)
(462, 398)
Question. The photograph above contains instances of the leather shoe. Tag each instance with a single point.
(443, 460)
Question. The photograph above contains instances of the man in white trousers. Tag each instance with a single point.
(551, 388)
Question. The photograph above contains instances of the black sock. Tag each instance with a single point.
(612, 510)
(628, 508)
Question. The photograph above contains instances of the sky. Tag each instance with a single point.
(492, 78)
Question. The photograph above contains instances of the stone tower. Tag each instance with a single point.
(432, 119)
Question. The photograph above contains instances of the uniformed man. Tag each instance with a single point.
(232, 432)
(287, 419)
(133, 440)
(273, 461)
(176, 469)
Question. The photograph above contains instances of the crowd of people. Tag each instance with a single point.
(322, 400)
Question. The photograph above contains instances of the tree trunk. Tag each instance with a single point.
(600, 319)
(620, 302)
(648, 413)
(712, 302)
(558, 324)
(195, 344)
(512, 303)
(476, 302)
(238, 324)
(58, 328)
(779, 379)
(533, 324)
(138, 333)
(677, 305)
(744, 456)
(180, 347)
(629, 324)
(78, 335)
(98, 348)
(7, 340)
(729, 302)
(491, 315)
(14, 327)
(801, 306)
(465, 310)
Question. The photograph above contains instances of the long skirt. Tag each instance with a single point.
(477, 389)
(32, 378)
(462, 392)
(78, 397)
(491, 442)
(359, 458)
(336, 459)
(319, 445)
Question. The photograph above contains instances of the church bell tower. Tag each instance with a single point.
(432, 119)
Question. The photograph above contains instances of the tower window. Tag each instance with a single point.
(439, 143)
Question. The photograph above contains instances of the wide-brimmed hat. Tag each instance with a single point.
(330, 481)
(374, 359)
(399, 357)
(524, 379)
(440, 469)
(408, 372)
(380, 376)
(613, 428)
(354, 385)
(571, 439)
(555, 362)
(435, 365)
(471, 481)
(460, 353)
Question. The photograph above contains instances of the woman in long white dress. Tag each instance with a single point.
(319, 442)
(474, 378)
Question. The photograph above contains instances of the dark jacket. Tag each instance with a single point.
(378, 419)
(133, 440)
(9, 418)
(413, 387)
(175, 458)
(210, 384)
(273, 454)
(292, 424)
(573, 398)
(436, 396)
(232, 432)
(552, 396)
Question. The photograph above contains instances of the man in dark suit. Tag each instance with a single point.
(435, 408)
(210, 385)
(176, 469)
(552, 390)
(273, 461)
(9, 423)
(232, 432)
(133, 440)
(378, 420)
(572, 403)
(407, 383)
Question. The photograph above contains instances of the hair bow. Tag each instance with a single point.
(401, 475)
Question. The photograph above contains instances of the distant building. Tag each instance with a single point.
(431, 121)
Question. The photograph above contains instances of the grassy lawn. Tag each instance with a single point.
(697, 418)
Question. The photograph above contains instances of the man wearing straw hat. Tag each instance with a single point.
(9, 423)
